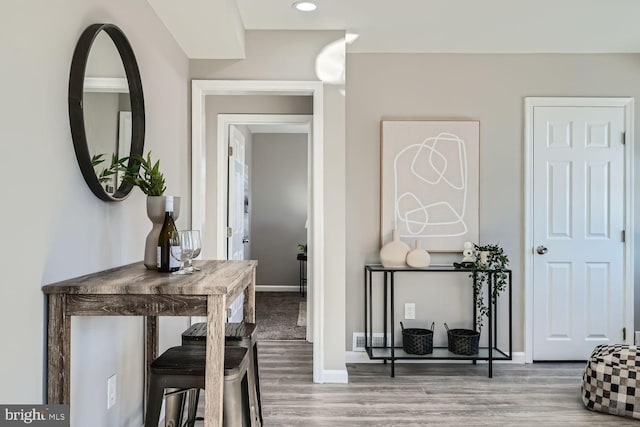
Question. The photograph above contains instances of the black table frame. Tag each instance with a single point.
(303, 273)
(393, 353)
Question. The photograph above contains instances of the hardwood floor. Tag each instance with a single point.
(422, 394)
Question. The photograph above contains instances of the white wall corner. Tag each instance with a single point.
(204, 29)
(518, 357)
(334, 376)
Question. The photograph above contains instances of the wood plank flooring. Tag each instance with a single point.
(422, 394)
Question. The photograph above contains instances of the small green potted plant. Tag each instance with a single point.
(490, 260)
(143, 173)
(302, 247)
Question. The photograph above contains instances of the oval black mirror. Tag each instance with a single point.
(106, 108)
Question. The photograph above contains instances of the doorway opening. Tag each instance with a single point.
(211, 215)
(267, 214)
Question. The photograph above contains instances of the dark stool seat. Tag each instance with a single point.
(197, 333)
(236, 334)
(183, 367)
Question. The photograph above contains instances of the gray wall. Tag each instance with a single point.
(279, 213)
(489, 88)
(54, 226)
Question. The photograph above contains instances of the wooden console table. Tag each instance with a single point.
(132, 290)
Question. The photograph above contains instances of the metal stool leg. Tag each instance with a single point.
(256, 371)
(154, 402)
(193, 396)
(173, 408)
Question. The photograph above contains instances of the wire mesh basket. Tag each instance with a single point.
(463, 341)
(417, 340)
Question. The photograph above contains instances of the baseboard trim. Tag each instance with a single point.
(277, 288)
(334, 376)
(363, 357)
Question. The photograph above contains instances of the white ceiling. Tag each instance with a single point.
(456, 26)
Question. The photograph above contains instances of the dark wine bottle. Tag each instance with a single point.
(168, 241)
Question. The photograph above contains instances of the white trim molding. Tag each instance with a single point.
(106, 84)
(530, 104)
(277, 288)
(200, 89)
(332, 376)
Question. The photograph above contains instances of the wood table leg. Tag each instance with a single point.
(214, 375)
(150, 353)
(58, 351)
(249, 308)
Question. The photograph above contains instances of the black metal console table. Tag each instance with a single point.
(392, 353)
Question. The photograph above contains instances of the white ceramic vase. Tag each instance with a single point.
(484, 258)
(394, 253)
(418, 257)
(155, 212)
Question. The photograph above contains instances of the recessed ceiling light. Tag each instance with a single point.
(305, 5)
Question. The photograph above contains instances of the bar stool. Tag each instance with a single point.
(183, 367)
(236, 334)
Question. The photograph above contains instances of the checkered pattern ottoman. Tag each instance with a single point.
(610, 382)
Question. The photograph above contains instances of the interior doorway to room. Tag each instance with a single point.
(268, 214)
(208, 204)
(580, 228)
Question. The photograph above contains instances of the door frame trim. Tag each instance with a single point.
(200, 89)
(530, 103)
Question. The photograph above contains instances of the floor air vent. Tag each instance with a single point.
(378, 340)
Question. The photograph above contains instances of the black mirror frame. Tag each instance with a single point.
(76, 114)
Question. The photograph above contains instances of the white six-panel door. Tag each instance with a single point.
(578, 221)
(237, 195)
(237, 215)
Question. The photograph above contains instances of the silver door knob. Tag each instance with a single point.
(245, 240)
(542, 250)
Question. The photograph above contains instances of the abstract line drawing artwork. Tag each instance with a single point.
(430, 182)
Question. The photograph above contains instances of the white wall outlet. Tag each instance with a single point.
(111, 391)
(637, 338)
(410, 310)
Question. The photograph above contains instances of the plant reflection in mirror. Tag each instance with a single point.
(106, 174)
(143, 173)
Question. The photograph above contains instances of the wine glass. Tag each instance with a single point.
(183, 251)
(196, 246)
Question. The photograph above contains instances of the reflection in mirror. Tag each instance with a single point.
(106, 108)
(106, 99)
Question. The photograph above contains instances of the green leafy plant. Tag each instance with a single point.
(496, 264)
(302, 247)
(106, 174)
(143, 173)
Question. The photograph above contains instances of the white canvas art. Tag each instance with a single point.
(429, 185)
